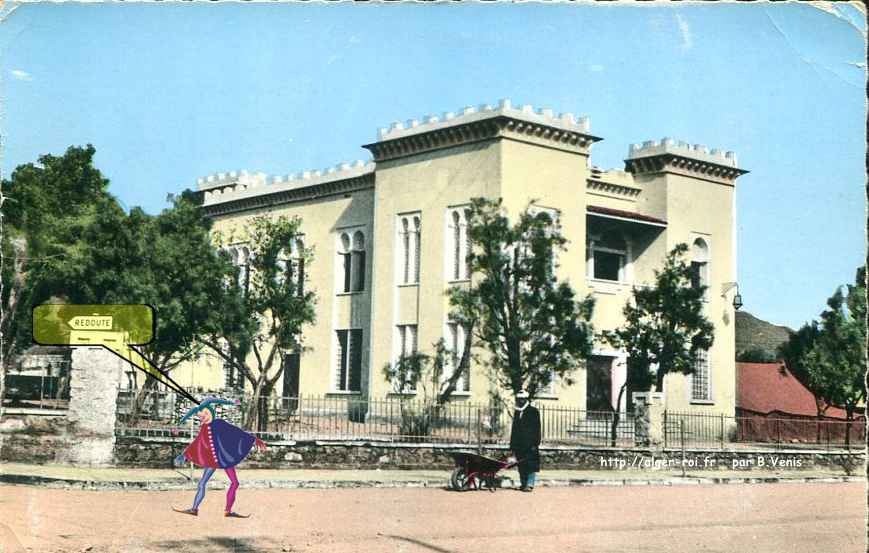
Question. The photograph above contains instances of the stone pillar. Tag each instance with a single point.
(649, 419)
(94, 379)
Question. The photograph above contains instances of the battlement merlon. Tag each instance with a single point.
(471, 123)
(697, 160)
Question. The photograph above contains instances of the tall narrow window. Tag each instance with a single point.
(358, 261)
(409, 229)
(417, 249)
(350, 270)
(456, 343)
(458, 244)
(405, 246)
(700, 388)
(297, 266)
(241, 259)
(699, 263)
(348, 370)
(466, 240)
(346, 262)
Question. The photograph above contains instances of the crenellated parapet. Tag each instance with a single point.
(239, 190)
(485, 122)
(613, 183)
(680, 157)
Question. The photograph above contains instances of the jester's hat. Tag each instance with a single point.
(208, 403)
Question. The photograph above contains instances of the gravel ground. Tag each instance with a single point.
(791, 517)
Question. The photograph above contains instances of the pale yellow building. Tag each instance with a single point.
(389, 239)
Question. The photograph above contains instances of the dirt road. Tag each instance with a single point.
(759, 518)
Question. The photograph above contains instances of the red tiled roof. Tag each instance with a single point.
(767, 387)
(624, 214)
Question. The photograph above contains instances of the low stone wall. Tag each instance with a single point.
(32, 439)
(41, 440)
(159, 452)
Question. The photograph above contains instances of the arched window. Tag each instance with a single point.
(346, 262)
(241, 259)
(293, 266)
(417, 233)
(699, 263)
(358, 261)
(459, 244)
(409, 231)
(351, 261)
(608, 254)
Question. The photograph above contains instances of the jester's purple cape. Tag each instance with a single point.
(219, 445)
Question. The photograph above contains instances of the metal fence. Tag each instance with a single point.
(41, 392)
(396, 420)
(682, 429)
(389, 419)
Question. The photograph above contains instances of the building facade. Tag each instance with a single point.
(390, 238)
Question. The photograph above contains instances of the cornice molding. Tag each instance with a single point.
(681, 165)
(612, 188)
(494, 128)
(292, 195)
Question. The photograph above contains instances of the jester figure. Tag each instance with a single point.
(218, 445)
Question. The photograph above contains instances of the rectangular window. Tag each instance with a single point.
(358, 261)
(347, 265)
(697, 273)
(407, 342)
(348, 373)
(407, 335)
(700, 377)
(607, 265)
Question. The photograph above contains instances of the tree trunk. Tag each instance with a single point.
(616, 415)
(8, 311)
(849, 419)
(257, 416)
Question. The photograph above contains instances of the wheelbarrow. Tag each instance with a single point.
(477, 471)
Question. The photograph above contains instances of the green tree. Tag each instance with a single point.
(418, 380)
(45, 205)
(837, 361)
(167, 261)
(755, 355)
(664, 328)
(794, 351)
(262, 313)
(67, 239)
(532, 327)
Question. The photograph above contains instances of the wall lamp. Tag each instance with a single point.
(737, 299)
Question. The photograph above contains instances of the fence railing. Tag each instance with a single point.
(36, 392)
(682, 429)
(404, 420)
(388, 419)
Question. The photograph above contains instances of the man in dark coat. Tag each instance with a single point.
(525, 440)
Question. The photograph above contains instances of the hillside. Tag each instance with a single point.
(753, 333)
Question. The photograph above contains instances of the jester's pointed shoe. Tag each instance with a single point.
(194, 512)
(233, 514)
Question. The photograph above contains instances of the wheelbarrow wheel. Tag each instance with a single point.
(459, 480)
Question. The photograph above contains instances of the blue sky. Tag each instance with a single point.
(171, 92)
